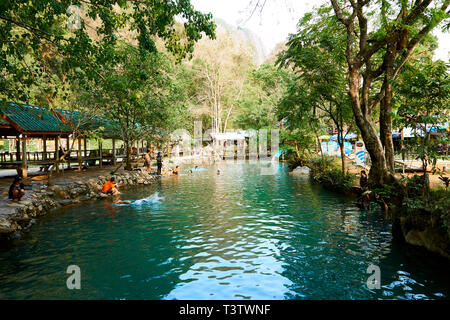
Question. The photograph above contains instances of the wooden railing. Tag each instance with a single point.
(39, 156)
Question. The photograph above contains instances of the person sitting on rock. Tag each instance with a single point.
(109, 187)
(17, 189)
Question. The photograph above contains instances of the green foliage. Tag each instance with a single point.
(335, 179)
(40, 48)
(317, 99)
(263, 89)
(445, 181)
(219, 72)
(326, 171)
(415, 195)
(423, 94)
(440, 204)
(139, 96)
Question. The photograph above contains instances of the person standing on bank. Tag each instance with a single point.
(147, 160)
(159, 162)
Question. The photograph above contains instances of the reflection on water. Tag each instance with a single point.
(240, 235)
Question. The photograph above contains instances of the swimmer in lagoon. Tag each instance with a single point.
(176, 171)
(190, 172)
(218, 172)
(116, 198)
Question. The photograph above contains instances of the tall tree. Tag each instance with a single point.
(423, 94)
(139, 95)
(315, 53)
(263, 89)
(80, 35)
(220, 71)
(377, 47)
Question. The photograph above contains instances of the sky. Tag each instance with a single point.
(278, 19)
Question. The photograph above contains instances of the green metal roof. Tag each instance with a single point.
(3, 122)
(89, 123)
(32, 119)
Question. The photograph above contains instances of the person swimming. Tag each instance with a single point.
(218, 172)
(116, 198)
(190, 172)
(176, 171)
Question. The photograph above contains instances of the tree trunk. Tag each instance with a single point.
(363, 118)
(386, 109)
(341, 146)
(128, 154)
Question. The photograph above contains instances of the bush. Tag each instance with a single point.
(333, 178)
(439, 203)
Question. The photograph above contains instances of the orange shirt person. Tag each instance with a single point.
(109, 187)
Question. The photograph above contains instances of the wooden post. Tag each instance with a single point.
(44, 145)
(68, 152)
(114, 151)
(24, 157)
(79, 154)
(101, 153)
(18, 149)
(57, 153)
(85, 150)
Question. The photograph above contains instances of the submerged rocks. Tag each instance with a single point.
(301, 170)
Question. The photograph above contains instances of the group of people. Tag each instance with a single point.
(147, 158)
(366, 196)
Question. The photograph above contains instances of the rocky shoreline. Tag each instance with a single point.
(417, 228)
(17, 218)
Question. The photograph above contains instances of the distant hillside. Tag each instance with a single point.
(272, 57)
(247, 37)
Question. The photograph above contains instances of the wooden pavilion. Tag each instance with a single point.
(21, 123)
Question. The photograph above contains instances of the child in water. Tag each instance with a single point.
(218, 172)
(176, 171)
(116, 198)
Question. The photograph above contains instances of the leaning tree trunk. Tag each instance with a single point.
(378, 170)
(386, 110)
(341, 146)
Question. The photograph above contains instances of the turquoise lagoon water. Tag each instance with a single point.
(240, 235)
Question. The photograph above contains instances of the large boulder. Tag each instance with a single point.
(301, 170)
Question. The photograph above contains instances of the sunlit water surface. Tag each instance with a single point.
(240, 235)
